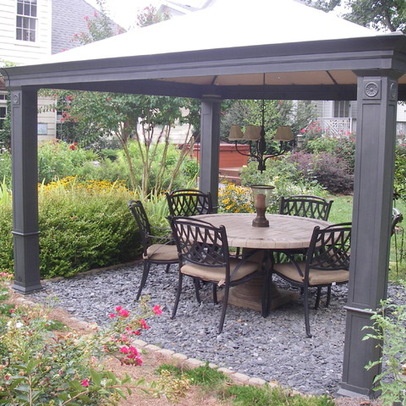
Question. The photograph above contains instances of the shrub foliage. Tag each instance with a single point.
(83, 225)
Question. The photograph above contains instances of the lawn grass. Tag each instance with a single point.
(341, 211)
(215, 382)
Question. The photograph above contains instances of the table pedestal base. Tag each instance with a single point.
(249, 295)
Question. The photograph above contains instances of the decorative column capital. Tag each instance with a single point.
(372, 89)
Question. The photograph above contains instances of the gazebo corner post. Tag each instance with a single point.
(210, 145)
(372, 208)
(24, 146)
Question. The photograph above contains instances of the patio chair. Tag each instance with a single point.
(155, 250)
(204, 256)
(397, 217)
(327, 262)
(305, 206)
(189, 202)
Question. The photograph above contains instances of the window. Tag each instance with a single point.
(42, 129)
(341, 109)
(3, 109)
(26, 20)
(3, 114)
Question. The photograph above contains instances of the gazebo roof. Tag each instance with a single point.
(261, 48)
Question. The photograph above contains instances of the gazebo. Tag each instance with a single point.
(261, 49)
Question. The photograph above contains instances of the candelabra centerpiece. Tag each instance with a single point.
(262, 197)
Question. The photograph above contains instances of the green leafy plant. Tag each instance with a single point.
(39, 365)
(389, 329)
(57, 160)
(400, 173)
(84, 225)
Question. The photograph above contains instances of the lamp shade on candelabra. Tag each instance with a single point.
(252, 132)
(284, 133)
(235, 133)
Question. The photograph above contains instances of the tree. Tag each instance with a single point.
(325, 5)
(379, 14)
(145, 120)
(277, 113)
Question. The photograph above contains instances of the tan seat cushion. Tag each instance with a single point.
(218, 274)
(162, 252)
(316, 277)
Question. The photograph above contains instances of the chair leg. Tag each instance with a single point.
(306, 310)
(317, 304)
(145, 273)
(328, 295)
(175, 306)
(196, 282)
(167, 268)
(215, 301)
(223, 310)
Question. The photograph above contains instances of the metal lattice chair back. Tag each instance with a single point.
(327, 263)
(189, 202)
(397, 217)
(306, 206)
(204, 256)
(137, 210)
(155, 249)
(330, 248)
(201, 243)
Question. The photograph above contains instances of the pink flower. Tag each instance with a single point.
(85, 382)
(124, 349)
(157, 310)
(112, 315)
(118, 309)
(124, 313)
(144, 324)
(133, 352)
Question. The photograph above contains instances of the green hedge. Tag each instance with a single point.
(82, 226)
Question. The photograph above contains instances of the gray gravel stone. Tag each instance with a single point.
(273, 348)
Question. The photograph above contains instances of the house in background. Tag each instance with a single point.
(339, 118)
(33, 29)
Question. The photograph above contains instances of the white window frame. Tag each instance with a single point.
(3, 109)
(26, 20)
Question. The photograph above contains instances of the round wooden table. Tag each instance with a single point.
(284, 233)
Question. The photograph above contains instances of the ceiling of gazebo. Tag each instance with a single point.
(276, 49)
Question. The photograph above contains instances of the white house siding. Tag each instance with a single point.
(46, 119)
(24, 52)
(57, 22)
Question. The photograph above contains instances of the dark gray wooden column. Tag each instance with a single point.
(210, 146)
(375, 150)
(24, 144)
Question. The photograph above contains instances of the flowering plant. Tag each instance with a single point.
(41, 366)
(235, 199)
